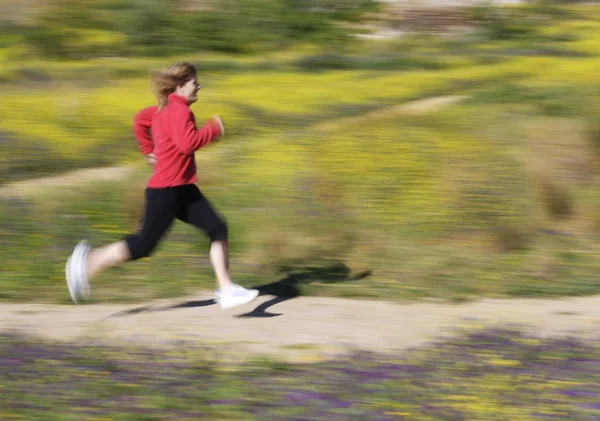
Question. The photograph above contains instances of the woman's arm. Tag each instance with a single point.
(142, 122)
(188, 138)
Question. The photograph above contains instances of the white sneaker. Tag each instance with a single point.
(218, 293)
(237, 296)
(76, 272)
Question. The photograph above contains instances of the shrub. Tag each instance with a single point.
(501, 23)
(68, 28)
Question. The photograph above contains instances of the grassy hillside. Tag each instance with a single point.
(495, 196)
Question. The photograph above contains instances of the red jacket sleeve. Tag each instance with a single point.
(187, 137)
(142, 122)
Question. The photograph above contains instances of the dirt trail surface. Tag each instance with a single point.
(302, 327)
(74, 178)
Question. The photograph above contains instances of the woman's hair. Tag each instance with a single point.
(164, 82)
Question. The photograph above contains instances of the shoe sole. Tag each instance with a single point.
(69, 276)
(78, 288)
(84, 284)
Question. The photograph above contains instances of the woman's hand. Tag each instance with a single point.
(219, 121)
(151, 159)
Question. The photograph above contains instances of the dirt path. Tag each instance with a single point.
(32, 186)
(300, 328)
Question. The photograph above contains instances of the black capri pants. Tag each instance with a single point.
(163, 206)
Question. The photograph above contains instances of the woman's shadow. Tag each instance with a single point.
(287, 288)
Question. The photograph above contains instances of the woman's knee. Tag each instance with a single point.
(139, 247)
(219, 232)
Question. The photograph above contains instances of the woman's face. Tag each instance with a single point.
(189, 90)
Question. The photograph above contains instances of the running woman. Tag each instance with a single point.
(167, 134)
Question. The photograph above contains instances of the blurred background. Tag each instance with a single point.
(384, 150)
(449, 149)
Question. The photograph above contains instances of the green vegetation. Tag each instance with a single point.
(495, 196)
(100, 28)
(484, 375)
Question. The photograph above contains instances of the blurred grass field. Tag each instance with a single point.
(495, 196)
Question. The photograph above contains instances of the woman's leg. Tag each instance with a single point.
(219, 258)
(104, 258)
(86, 263)
(200, 213)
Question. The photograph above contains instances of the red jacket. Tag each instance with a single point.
(172, 136)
